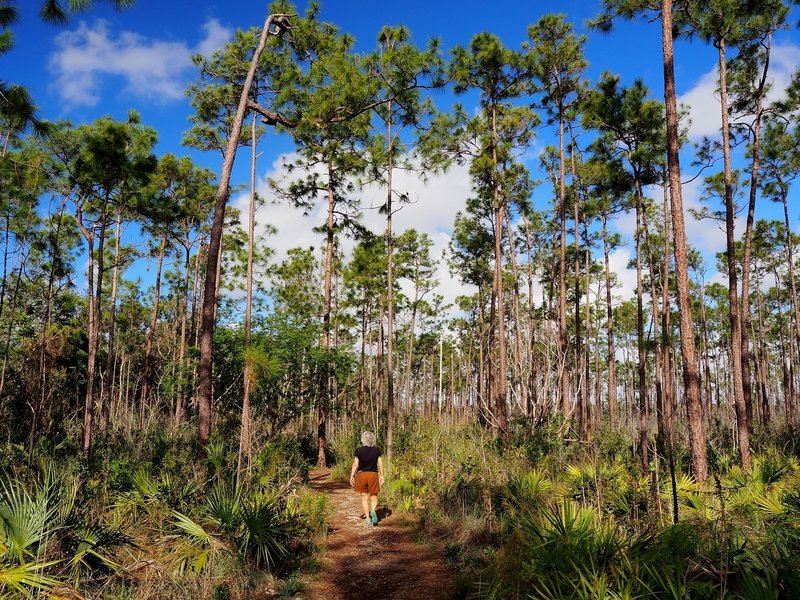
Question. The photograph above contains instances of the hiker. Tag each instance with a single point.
(366, 476)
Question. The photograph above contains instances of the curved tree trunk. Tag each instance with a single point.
(210, 284)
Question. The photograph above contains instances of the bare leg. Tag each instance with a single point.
(373, 501)
(365, 503)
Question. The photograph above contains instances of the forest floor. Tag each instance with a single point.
(385, 562)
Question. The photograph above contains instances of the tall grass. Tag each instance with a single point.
(543, 519)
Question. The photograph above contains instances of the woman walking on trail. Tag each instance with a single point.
(366, 475)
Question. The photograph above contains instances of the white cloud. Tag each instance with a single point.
(155, 70)
(703, 102)
(705, 235)
(431, 210)
(618, 261)
(217, 36)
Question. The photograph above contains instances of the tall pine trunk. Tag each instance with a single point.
(180, 399)
(149, 368)
(748, 237)
(244, 427)
(691, 379)
(790, 264)
(389, 294)
(742, 426)
(641, 378)
(325, 384)
(563, 382)
(499, 391)
(108, 374)
(611, 355)
(580, 391)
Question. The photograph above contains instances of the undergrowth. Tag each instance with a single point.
(540, 518)
(143, 519)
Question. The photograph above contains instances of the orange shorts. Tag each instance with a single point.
(367, 483)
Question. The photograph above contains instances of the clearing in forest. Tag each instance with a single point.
(373, 563)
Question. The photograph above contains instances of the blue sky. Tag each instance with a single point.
(107, 62)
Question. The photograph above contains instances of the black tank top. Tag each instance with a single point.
(368, 458)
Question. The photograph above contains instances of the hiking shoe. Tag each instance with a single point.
(373, 517)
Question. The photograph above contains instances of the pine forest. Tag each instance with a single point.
(584, 381)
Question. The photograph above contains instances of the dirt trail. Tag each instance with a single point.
(373, 563)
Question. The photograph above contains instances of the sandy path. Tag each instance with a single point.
(373, 563)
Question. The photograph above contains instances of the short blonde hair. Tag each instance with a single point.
(367, 438)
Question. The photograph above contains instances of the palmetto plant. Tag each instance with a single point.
(530, 488)
(43, 542)
(195, 545)
(89, 549)
(31, 513)
(254, 527)
(24, 580)
(266, 531)
(27, 519)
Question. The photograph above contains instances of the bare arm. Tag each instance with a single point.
(353, 470)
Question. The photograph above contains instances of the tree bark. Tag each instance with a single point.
(210, 285)
(108, 375)
(499, 391)
(180, 399)
(563, 383)
(532, 394)
(748, 239)
(580, 391)
(322, 409)
(95, 285)
(644, 416)
(691, 381)
(734, 316)
(612, 354)
(519, 374)
(792, 280)
(147, 375)
(244, 428)
(389, 294)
